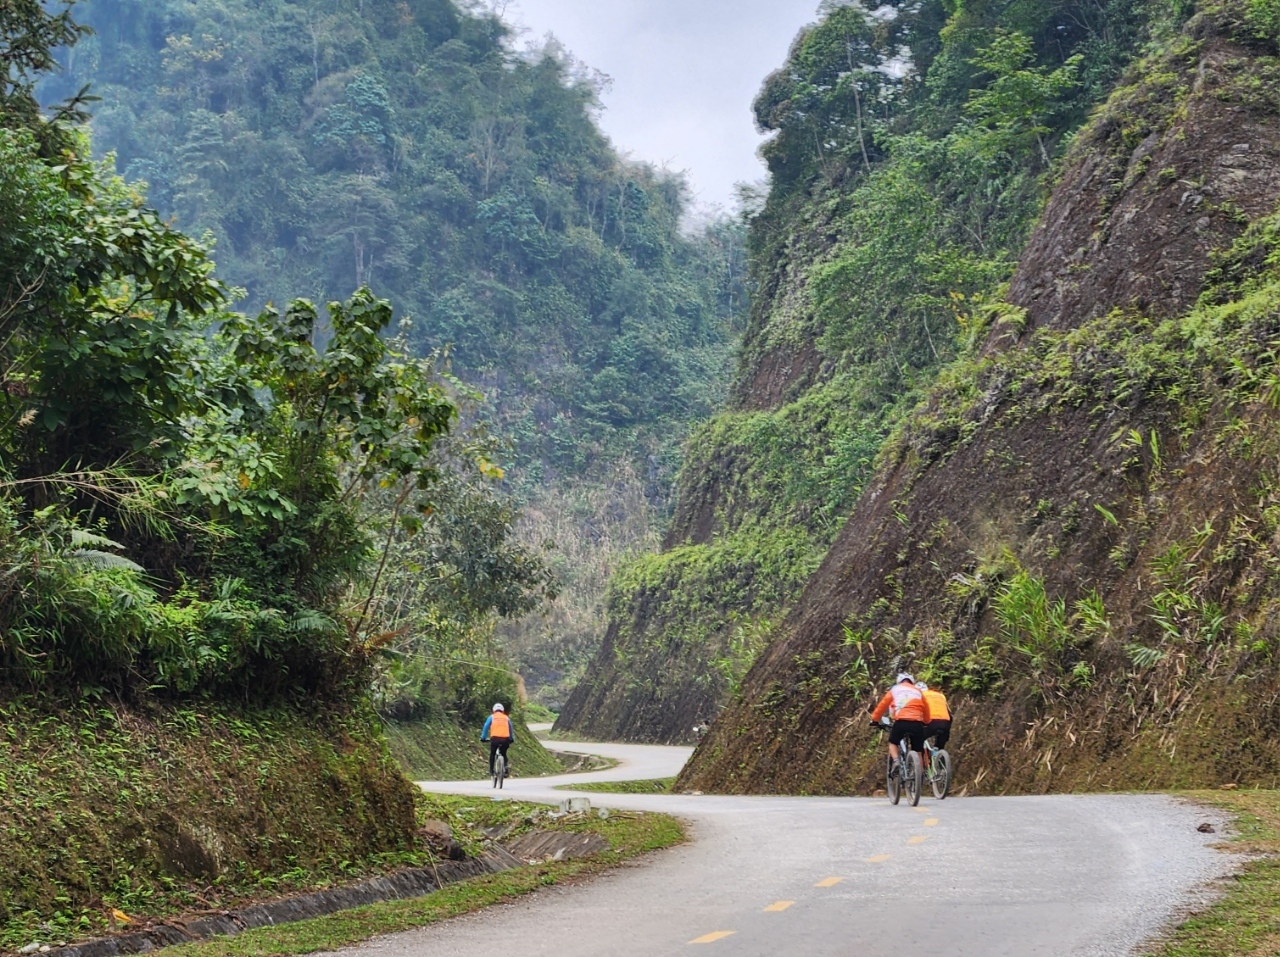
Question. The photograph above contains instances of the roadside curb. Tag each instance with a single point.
(414, 882)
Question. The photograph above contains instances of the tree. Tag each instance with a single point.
(1020, 99)
(833, 92)
(29, 35)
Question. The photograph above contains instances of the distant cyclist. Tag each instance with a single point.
(939, 725)
(499, 732)
(906, 705)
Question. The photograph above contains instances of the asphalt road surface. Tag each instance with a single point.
(855, 877)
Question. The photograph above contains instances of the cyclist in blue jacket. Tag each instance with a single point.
(499, 731)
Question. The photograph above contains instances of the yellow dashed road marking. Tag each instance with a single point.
(778, 905)
(879, 858)
(932, 822)
(829, 882)
(921, 810)
(918, 839)
(713, 937)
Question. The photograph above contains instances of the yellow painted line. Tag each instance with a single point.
(713, 937)
(918, 839)
(932, 822)
(879, 858)
(829, 882)
(778, 905)
(921, 810)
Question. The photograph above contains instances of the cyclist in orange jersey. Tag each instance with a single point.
(499, 732)
(910, 712)
(939, 725)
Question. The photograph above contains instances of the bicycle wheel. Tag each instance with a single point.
(502, 771)
(941, 774)
(892, 782)
(915, 777)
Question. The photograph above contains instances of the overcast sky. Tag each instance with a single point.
(684, 74)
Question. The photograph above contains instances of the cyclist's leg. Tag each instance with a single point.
(934, 729)
(942, 735)
(896, 732)
(503, 748)
(493, 753)
(916, 734)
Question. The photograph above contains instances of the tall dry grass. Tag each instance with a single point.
(592, 528)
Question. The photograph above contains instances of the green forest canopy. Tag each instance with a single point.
(195, 503)
(325, 145)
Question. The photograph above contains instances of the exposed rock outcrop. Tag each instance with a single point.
(1110, 453)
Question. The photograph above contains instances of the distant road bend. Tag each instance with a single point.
(779, 876)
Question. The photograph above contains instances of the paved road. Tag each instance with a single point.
(771, 876)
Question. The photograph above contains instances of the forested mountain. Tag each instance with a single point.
(326, 145)
(914, 147)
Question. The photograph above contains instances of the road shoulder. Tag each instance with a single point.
(629, 836)
(1245, 918)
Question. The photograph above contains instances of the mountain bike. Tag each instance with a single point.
(939, 773)
(906, 774)
(499, 769)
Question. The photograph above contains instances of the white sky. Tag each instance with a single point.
(684, 74)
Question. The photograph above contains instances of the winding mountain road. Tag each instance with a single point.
(1067, 876)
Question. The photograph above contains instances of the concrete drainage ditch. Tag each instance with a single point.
(534, 847)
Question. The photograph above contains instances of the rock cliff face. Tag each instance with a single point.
(1076, 534)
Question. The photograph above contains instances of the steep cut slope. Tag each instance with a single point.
(1076, 533)
(891, 211)
(162, 810)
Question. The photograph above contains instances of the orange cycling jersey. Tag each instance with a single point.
(936, 701)
(907, 702)
(501, 727)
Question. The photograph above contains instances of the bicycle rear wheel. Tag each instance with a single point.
(915, 777)
(892, 782)
(941, 774)
(502, 771)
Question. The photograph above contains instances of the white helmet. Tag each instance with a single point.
(903, 676)
(922, 686)
(499, 707)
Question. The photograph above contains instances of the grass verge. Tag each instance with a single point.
(628, 834)
(1245, 922)
(442, 750)
(652, 786)
(157, 810)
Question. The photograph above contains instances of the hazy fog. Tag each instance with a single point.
(684, 74)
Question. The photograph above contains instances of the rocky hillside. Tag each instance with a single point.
(897, 207)
(1075, 532)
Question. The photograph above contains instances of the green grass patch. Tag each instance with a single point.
(652, 786)
(629, 834)
(1246, 921)
(536, 713)
(160, 811)
(440, 750)
(569, 737)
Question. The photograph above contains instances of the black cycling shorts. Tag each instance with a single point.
(940, 731)
(912, 729)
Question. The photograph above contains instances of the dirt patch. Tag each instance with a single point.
(537, 847)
